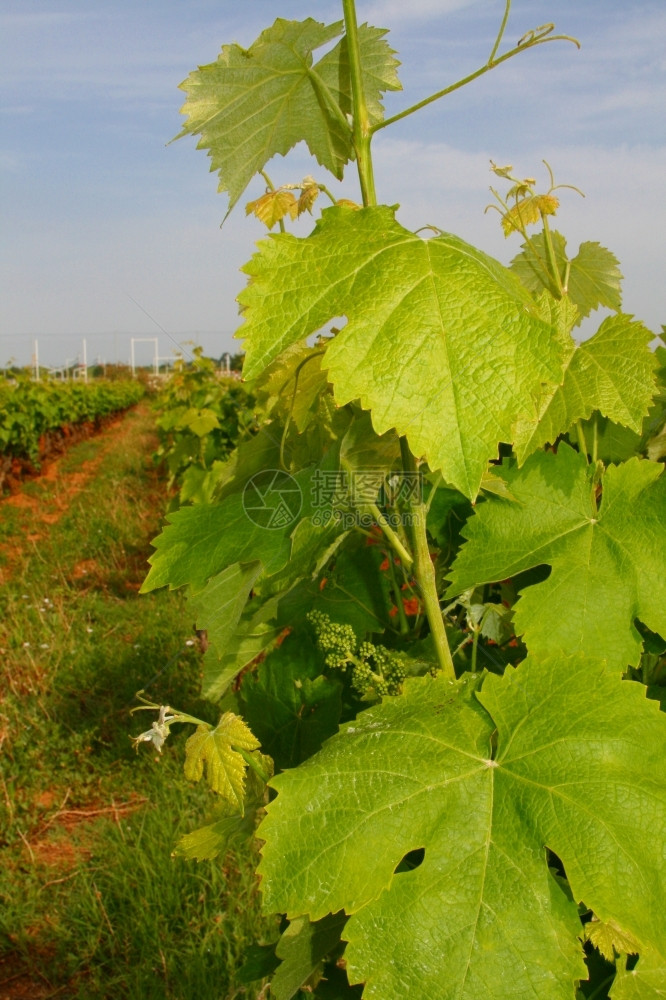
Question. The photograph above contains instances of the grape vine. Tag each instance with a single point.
(433, 578)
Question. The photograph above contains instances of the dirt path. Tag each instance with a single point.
(44, 499)
(54, 819)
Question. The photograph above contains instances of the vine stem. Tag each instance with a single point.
(582, 443)
(424, 571)
(362, 133)
(551, 258)
(493, 61)
(392, 538)
(252, 763)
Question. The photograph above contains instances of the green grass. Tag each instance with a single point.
(91, 900)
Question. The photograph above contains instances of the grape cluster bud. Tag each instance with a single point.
(374, 670)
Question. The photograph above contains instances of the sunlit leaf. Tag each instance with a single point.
(273, 206)
(484, 774)
(594, 277)
(608, 559)
(612, 372)
(528, 211)
(442, 343)
(253, 103)
(212, 750)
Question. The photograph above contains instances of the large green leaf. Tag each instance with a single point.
(256, 522)
(577, 769)
(592, 278)
(290, 707)
(608, 561)
(253, 103)
(199, 542)
(612, 372)
(443, 343)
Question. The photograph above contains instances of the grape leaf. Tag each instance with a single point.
(378, 67)
(594, 277)
(612, 372)
(289, 705)
(231, 829)
(219, 605)
(608, 564)
(303, 948)
(442, 343)
(200, 422)
(577, 769)
(272, 207)
(199, 542)
(212, 749)
(609, 939)
(293, 384)
(647, 981)
(527, 211)
(613, 442)
(255, 522)
(253, 103)
(255, 631)
(362, 450)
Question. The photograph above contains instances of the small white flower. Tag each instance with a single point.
(43, 645)
(157, 733)
(89, 631)
(189, 642)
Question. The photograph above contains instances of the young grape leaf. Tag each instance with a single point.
(577, 769)
(609, 939)
(272, 207)
(594, 277)
(608, 563)
(253, 103)
(442, 342)
(527, 211)
(612, 372)
(213, 749)
(303, 948)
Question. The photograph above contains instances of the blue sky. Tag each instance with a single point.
(109, 232)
